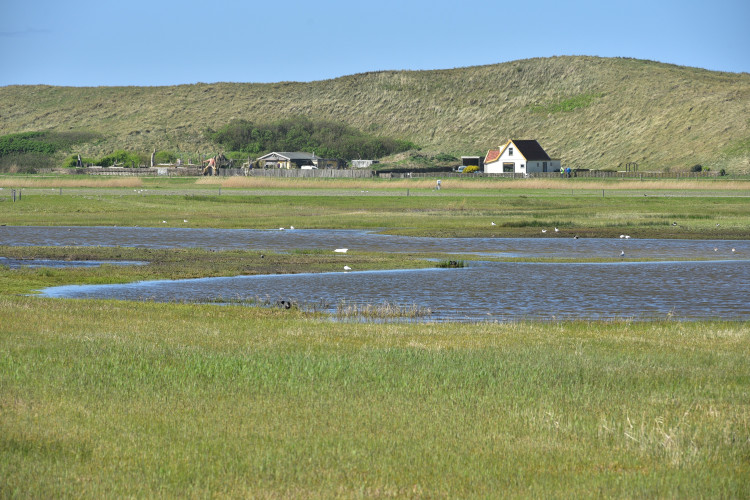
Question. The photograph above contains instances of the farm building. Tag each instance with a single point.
(297, 159)
(519, 157)
(472, 160)
(363, 163)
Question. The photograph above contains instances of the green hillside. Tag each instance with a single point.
(590, 112)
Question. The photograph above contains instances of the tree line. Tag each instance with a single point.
(326, 138)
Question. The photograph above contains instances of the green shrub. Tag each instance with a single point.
(24, 163)
(696, 168)
(72, 161)
(445, 157)
(120, 158)
(44, 142)
(165, 157)
(325, 137)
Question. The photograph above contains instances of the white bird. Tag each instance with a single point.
(341, 250)
(622, 236)
(733, 250)
(557, 230)
(347, 268)
(544, 230)
(627, 236)
(493, 224)
(163, 222)
(291, 227)
(716, 249)
(622, 253)
(184, 220)
(281, 229)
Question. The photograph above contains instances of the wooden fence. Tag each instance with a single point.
(196, 171)
(598, 174)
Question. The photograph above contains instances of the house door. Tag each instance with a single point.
(509, 167)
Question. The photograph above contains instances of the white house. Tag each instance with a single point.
(519, 157)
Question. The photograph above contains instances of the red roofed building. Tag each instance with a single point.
(519, 157)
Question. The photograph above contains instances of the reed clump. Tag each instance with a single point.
(384, 310)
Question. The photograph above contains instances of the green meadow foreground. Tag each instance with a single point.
(121, 399)
(114, 399)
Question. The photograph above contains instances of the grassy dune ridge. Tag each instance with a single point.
(591, 112)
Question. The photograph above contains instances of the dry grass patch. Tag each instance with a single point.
(472, 183)
(74, 182)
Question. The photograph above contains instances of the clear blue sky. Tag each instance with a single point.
(166, 42)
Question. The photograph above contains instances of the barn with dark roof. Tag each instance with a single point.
(519, 156)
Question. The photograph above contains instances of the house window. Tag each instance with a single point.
(510, 151)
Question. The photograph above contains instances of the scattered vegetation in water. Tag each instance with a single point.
(451, 264)
(384, 310)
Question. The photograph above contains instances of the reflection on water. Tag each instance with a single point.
(286, 240)
(486, 291)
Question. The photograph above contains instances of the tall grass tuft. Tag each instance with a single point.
(383, 310)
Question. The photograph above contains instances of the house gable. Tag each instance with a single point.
(531, 150)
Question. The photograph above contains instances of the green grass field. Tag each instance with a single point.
(702, 209)
(120, 399)
(112, 399)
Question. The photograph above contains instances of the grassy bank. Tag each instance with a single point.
(118, 399)
(700, 209)
(172, 264)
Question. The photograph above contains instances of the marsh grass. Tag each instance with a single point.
(384, 310)
(116, 399)
(702, 209)
(580, 185)
(169, 264)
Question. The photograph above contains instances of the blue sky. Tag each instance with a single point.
(137, 42)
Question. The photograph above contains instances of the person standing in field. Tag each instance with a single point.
(211, 167)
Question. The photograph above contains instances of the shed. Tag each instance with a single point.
(297, 159)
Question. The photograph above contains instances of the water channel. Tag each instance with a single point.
(714, 285)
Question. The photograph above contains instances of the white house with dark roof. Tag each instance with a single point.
(519, 157)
